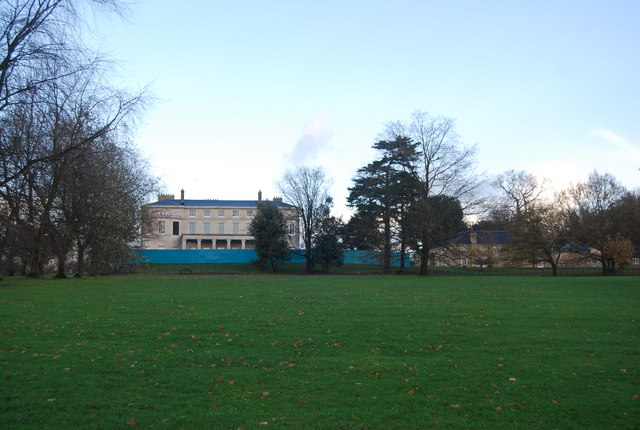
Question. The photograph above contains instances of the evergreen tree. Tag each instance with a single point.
(328, 249)
(385, 188)
(269, 231)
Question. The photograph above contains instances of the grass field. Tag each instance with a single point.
(349, 269)
(320, 352)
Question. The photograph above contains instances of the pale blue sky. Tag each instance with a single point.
(247, 88)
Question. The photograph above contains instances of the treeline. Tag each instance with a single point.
(71, 183)
(423, 189)
(596, 220)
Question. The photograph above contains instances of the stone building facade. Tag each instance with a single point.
(208, 224)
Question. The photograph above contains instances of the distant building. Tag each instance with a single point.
(490, 248)
(208, 224)
(473, 248)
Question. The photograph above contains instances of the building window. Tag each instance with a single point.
(192, 212)
(207, 212)
(220, 228)
(635, 261)
(292, 229)
(176, 228)
(161, 227)
(236, 213)
(207, 228)
(192, 228)
(236, 228)
(162, 213)
(220, 212)
(250, 212)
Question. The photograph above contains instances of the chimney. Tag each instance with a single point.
(166, 197)
(259, 196)
(182, 197)
(473, 237)
(277, 199)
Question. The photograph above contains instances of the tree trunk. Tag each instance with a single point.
(35, 265)
(80, 260)
(386, 250)
(62, 262)
(308, 257)
(424, 261)
(403, 239)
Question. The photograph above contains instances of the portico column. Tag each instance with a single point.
(228, 243)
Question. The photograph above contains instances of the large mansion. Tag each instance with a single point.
(209, 224)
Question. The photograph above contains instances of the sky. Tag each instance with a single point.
(245, 89)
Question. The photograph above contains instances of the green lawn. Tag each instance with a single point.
(320, 352)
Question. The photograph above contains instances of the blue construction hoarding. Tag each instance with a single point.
(213, 256)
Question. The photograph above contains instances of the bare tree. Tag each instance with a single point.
(539, 234)
(446, 168)
(57, 110)
(520, 191)
(104, 194)
(307, 188)
(592, 203)
(35, 34)
(39, 49)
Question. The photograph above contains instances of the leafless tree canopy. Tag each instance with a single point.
(307, 188)
(520, 191)
(59, 114)
(38, 42)
(446, 166)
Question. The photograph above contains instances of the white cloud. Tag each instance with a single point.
(628, 151)
(316, 135)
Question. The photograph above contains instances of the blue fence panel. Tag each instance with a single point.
(200, 256)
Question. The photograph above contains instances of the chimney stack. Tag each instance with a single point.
(182, 197)
(473, 237)
(259, 196)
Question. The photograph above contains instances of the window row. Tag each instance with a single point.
(221, 212)
(220, 228)
(206, 228)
